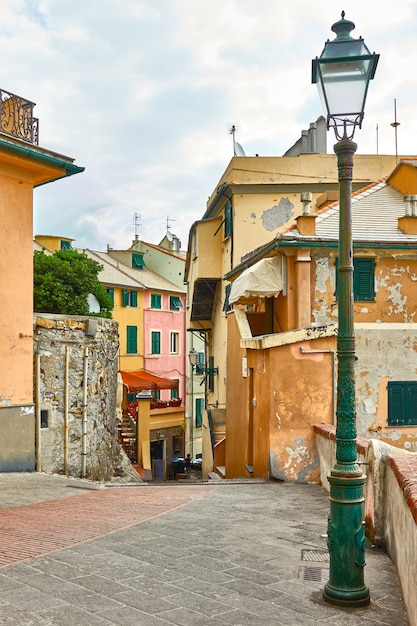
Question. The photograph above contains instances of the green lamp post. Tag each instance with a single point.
(342, 73)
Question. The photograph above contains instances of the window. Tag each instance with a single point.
(131, 339)
(137, 261)
(174, 303)
(131, 397)
(226, 305)
(156, 301)
(199, 406)
(155, 342)
(200, 366)
(130, 298)
(228, 219)
(156, 394)
(44, 418)
(65, 245)
(110, 291)
(175, 392)
(174, 343)
(402, 403)
(363, 279)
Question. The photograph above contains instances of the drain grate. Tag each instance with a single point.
(314, 574)
(315, 555)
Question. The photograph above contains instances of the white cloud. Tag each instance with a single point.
(141, 93)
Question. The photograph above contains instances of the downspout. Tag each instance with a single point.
(38, 411)
(192, 411)
(84, 424)
(333, 353)
(66, 387)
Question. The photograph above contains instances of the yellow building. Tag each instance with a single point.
(255, 199)
(281, 370)
(23, 166)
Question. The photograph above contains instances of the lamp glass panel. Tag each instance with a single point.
(343, 86)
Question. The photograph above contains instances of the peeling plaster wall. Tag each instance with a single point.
(395, 290)
(386, 352)
(296, 403)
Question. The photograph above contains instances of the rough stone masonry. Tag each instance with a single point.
(75, 366)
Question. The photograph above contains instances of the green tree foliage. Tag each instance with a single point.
(63, 281)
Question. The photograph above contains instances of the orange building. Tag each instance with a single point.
(23, 166)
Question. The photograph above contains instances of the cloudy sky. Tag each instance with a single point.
(142, 93)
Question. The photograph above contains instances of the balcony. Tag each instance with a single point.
(16, 117)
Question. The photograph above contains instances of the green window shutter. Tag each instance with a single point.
(137, 260)
(131, 397)
(155, 342)
(402, 403)
(174, 303)
(125, 297)
(131, 339)
(155, 300)
(412, 403)
(226, 305)
(134, 298)
(65, 245)
(396, 404)
(228, 219)
(199, 406)
(110, 291)
(200, 365)
(211, 373)
(364, 279)
(175, 392)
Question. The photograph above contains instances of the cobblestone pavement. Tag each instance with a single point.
(237, 553)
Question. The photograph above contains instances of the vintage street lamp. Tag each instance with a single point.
(201, 368)
(342, 73)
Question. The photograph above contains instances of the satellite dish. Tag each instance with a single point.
(93, 303)
(239, 151)
(237, 148)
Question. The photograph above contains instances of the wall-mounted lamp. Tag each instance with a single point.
(200, 368)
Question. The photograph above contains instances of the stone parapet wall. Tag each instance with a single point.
(390, 502)
(77, 412)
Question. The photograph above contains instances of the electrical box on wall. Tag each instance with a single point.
(244, 367)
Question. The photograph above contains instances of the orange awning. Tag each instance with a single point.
(142, 379)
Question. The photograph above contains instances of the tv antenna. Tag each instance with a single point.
(237, 148)
(395, 125)
(169, 219)
(137, 224)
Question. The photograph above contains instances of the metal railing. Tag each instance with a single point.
(16, 117)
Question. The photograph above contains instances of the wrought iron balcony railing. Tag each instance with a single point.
(16, 117)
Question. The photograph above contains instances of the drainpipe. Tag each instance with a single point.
(38, 411)
(84, 426)
(66, 386)
(333, 353)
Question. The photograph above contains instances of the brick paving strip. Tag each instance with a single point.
(33, 530)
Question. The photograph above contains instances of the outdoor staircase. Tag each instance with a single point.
(127, 438)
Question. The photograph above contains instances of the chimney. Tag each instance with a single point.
(306, 223)
(408, 223)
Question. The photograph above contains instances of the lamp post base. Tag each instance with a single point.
(346, 542)
(346, 599)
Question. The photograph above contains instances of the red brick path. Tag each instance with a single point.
(33, 530)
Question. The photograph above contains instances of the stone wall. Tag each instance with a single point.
(77, 412)
(390, 502)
